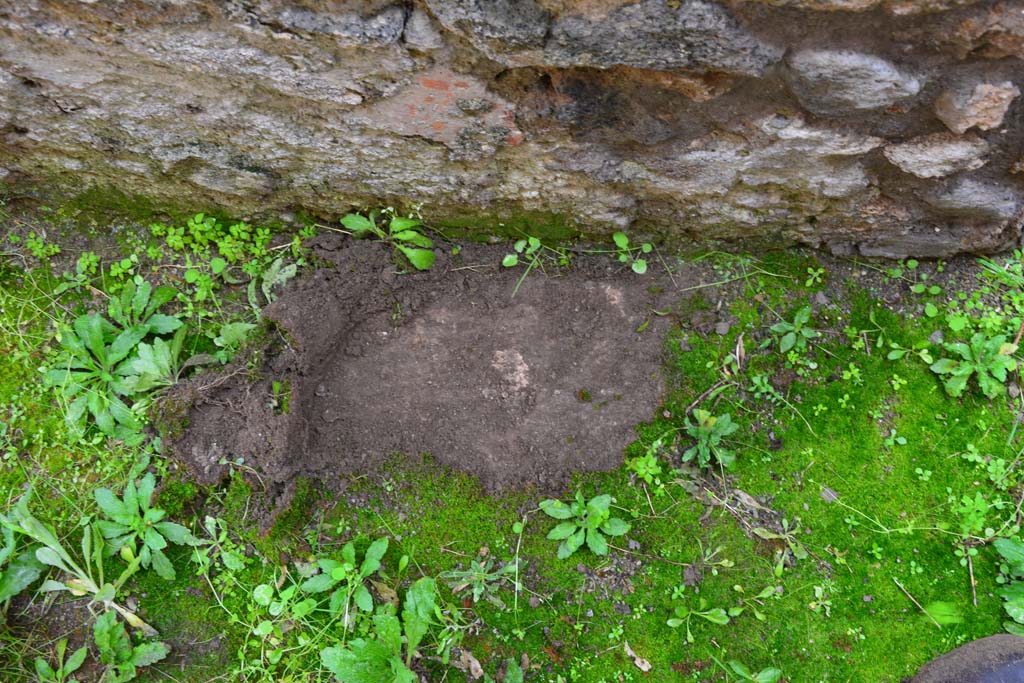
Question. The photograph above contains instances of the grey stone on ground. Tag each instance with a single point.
(678, 118)
(983, 106)
(970, 197)
(837, 82)
(938, 155)
(653, 34)
(995, 659)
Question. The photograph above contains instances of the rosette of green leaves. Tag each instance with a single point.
(347, 578)
(796, 333)
(378, 658)
(708, 431)
(136, 308)
(90, 374)
(988, 359)
(587, 522)
(133, 521)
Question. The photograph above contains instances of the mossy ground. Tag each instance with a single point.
(876, 514)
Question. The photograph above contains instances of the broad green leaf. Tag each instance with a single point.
(145, 488)
(401, 224)
(417, 611)
(363, 599)
(955, 385)
(162, 565)
(556, 509)
(112, 506)
(740, 668)
(1013, 596)
(788, 341)
(596, 542)
(389, 631)
(598, 505)
(318, 583)
(357, 223)
(363, 661)
(149, 653)
(620, 239)
(51, 558)
(371, 561)
(90, 329)
(510, 260)
(263, 594)
(562, 531)
(19, 575)
(304, 608)
(163, 324)
(177, 534)
(640, 266)
(571, 544)
(125, 343)
(944, 612)
(421, 259)
(1012, 551)
(413, 237)
(770, 675)
(615, 527)
(715, 616)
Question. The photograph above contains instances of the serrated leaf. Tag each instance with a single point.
(149, 653)
(363, 599)
(19, 575)
(162, 565)
(596, 542)
(373, 556)
(571, 544)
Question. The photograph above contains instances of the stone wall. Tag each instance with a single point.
(878, 127)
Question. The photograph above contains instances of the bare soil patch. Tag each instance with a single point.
(517, 390)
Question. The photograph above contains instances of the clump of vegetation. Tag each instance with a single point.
(876, 519)
(708, 431)
(404, 234)
(583, 521)
(987, 359)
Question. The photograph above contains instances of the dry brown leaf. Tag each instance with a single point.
(640, 662)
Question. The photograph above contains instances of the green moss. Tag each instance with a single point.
(176, 494)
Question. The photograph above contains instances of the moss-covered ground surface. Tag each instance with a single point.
(838, 541)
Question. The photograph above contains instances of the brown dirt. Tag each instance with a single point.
(518, 391)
